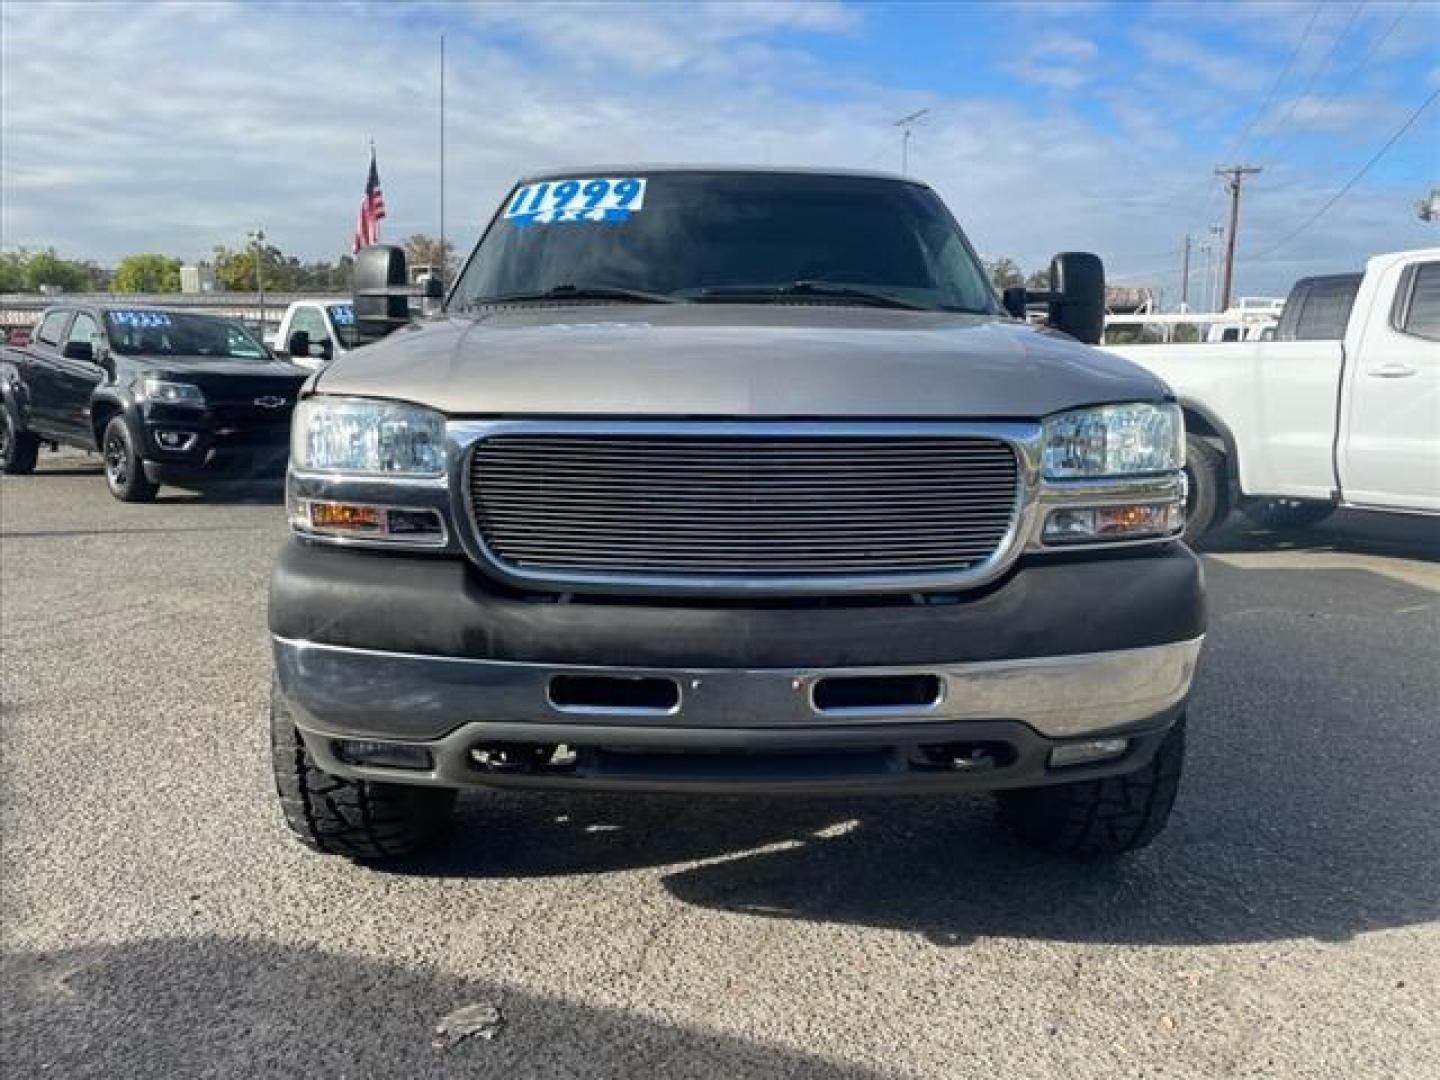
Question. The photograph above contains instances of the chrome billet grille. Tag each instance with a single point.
(648, 506)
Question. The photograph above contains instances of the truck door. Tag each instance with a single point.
(1390, 437)
(75, 380)
(41, 355)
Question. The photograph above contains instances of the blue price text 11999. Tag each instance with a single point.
(597, 198)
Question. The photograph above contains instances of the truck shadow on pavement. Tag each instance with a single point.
(1347, 531)
(1308, 809)
(220, 1006)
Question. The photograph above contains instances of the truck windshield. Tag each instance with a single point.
(727, 237)
(179, 334)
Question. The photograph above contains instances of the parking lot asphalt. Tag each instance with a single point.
(157, 920)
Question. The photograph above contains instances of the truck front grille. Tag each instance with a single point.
(645, 507)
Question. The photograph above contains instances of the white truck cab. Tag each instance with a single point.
(328, 326)
(1342, 408)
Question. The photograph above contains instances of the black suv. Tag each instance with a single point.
(168, 397)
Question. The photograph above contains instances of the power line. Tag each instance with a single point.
(1239, 140)
(1354, 179)
(1314, 78)
(1350, 75)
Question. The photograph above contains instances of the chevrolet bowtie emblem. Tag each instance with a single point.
(269, 402)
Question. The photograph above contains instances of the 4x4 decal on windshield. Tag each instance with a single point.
(596, 198)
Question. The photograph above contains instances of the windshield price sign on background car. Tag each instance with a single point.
(581, 199)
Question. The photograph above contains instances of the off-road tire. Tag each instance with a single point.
(360, 819)
(124, 471)
(19, 449)
(1100, 819)
(1285, 514)
(1208, 503)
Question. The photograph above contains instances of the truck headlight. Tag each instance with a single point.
(353, 435)
(1114, 440)
(170, 393)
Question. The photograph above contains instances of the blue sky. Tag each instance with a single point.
(1052, 126)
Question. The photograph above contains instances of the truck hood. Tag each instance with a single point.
(767, 360)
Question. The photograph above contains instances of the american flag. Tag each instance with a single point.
(372, 209)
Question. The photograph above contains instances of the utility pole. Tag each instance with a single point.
(1235, 175)
(258, 236)
(444, 260)
(1185, 276)
(905, 124)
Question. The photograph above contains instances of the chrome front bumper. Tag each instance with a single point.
(361, 693)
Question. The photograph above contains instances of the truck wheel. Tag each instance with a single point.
(360, 819)
(1287, 513)
(1100, 819)
(19, 449)
(124, 472)
(1208, 503)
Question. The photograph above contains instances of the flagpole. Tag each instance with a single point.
(444, 267)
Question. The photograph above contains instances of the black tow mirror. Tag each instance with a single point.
(434, 288)
(382, 292)
(1077, 296)
(79, 350)
(1075, 300)
(299, 344)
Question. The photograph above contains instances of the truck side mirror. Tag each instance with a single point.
(382, 292)
(434, 288)
(1077, 295)
(79, 350)
(299, 343)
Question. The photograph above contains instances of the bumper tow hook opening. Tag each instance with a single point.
(847, 693)
(614, 693)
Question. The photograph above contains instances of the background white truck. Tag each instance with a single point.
(328, 326)
(1341, 409)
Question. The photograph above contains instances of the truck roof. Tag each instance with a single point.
(634, 169)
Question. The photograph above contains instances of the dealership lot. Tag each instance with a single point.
(158, 921)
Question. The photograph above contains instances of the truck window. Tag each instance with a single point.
(308, 318)
(52, 327)
(342, 317)
(1325, 311)
(85, 329)
(1418, 302)
(696, 231)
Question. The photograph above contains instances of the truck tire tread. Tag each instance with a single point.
(359, 819)
(1210, 489)
(22, 448)
(1100, 819)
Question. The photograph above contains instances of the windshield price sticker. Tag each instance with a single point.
(598, 198)
(143, 320)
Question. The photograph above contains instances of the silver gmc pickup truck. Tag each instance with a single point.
(732, 481)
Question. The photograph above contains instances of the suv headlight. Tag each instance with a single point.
(170, 393)
(1114, 440)
(353, 435)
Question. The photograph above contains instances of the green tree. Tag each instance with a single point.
(12, 271)
(422, 250)
(147, 273)
(1004, 272)
(45, 268)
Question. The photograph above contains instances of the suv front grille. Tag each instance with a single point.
(715, 507)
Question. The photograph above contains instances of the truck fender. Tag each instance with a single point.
(104, 404)
(1199, 420)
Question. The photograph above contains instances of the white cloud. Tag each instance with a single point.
(1058, 62)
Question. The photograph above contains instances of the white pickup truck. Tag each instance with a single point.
(1342, 408)
(328, 326)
